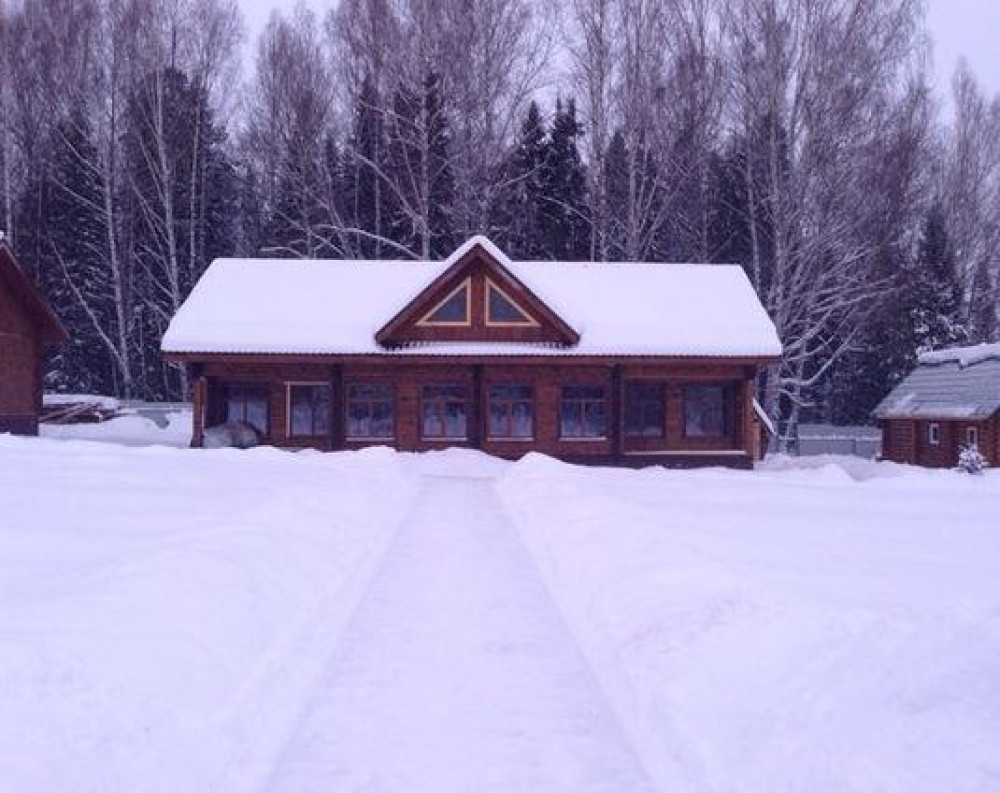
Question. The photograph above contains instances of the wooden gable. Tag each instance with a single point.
(24, 294)
(476, 299)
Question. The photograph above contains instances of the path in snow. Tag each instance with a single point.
(457, 673)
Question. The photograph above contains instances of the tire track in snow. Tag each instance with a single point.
(458, 673)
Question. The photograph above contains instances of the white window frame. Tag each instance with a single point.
(934, 433)
(972, 436)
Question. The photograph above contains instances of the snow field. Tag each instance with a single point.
(164, 613)
(828, 629)
(175, 619)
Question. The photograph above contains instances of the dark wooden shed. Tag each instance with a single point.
(27, 327)
(950, 401)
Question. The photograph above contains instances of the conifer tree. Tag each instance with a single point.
(565, 216)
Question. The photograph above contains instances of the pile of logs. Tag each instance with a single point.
(83, 411)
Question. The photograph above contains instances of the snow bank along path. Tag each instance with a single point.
(457, 674)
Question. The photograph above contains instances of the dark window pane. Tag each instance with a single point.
(521, 422)
(445, 412)
(644, 410)
(454, 309)
(370, 411)
(310, 410)
(594, 425)
(247, 403)
(502, 310)
(705, 411)
(571, 420)
(510, 411)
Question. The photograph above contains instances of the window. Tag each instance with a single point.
(707, 411)
(510, 412)
(972, 436)
(453, 310)
(308, 410)
(371, 412)
(247, 404)
(933, 434)
(445, 412)
(501, 310)
(644, 410)
(583, 412)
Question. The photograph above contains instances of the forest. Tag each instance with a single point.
(801, 139)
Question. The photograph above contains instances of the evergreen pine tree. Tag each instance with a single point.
(564, 217)
(518, 218)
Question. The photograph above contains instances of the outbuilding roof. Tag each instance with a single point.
(50, 329)
(336, 307)
(957, 383)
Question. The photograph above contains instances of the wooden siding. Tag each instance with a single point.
(20, 355)
(908, 441)
(546, 378)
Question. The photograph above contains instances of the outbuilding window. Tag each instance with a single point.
(308, 410)
(511, 412)
(934, 433)
(248, 404)
(583, 413)
(445, 412)
(370, 412)
(708, 411)
(972, 436)
(644, 410)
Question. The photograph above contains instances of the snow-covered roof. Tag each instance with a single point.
(963, 356)
(335, 307)
(956, 383)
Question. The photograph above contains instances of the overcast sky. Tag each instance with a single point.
(969, 28)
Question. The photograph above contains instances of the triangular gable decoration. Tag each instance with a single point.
(477, 297)
(502, 310)
(453, 311)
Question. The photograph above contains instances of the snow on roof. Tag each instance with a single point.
(960, 383)
(274, 306)
(963, 356)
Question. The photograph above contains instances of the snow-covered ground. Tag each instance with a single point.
(175, 619)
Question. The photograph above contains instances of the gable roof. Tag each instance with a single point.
(500, 268)
(336, 307)
(957, 383)
(49, 328)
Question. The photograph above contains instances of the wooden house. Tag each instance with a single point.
(951, 400)
(27, 327)
(590, 362)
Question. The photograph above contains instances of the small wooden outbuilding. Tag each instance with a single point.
(951, 400)
(27, 327)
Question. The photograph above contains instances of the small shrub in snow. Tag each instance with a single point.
(971, 460)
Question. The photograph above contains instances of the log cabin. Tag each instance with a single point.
(628, 364)
(27, 327)
(951, 400)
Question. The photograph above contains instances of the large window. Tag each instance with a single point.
(510, 412)
(644, 410)
(247, 404)
(583, 412)
(445, 412)
(707, 411)
(371, 410)
(308, 410)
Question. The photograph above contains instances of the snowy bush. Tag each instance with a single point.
(971, 460)
(235, 434)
